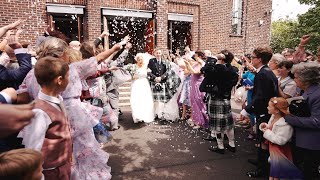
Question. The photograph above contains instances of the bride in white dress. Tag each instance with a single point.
(141, 99)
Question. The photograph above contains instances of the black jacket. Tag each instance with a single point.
(265, 87)
(157, 70)
(219, 79)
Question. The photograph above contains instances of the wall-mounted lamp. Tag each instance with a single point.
(260, 22)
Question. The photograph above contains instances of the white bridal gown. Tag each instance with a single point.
(141, 99)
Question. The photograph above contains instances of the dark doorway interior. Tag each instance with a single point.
(119, 27)
(179, 35)
(69, 24)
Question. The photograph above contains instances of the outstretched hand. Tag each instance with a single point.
(104, 34)
(13, 40)
(14, 118)
(304, 40)
(14, 25)
(128, 46)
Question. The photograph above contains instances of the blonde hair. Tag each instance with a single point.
(74, 55)
(53, 47)
(19, 164)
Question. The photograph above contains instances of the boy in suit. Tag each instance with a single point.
(265, 87)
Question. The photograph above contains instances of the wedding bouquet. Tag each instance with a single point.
(131, 68)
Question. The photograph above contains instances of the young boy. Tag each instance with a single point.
(21, 164)
(49, 130)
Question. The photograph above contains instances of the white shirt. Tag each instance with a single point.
(34, 134)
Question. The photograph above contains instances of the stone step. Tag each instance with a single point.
(124, 93)
(124, 104)
(124, 99)
(124, 88)
(126, 84)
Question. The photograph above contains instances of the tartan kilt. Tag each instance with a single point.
(220, 116)
(169, 87)
(159, 95)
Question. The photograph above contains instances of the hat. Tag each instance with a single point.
(281, 104)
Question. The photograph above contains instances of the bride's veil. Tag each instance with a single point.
(146, 57)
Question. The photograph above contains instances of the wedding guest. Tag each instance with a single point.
(90, 160)
(274, 61)
(265, 87)
(278, 133)
(199, 113)
(307, 129)
(14, 77)
(49, 130)
(21, 164)
(223, 78)
(287, 86)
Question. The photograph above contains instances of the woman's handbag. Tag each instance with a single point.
(300, 108)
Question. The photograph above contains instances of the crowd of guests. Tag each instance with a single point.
(70, 94)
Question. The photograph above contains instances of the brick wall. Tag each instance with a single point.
(32, 11)
(73, 2)
(211, 27)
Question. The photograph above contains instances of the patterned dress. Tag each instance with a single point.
(90, 161)
(184, 97)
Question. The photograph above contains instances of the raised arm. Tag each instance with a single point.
(105, 54)
(98, 41)
(6, 28)
(24, 60)
(122, 57)
(300, 54)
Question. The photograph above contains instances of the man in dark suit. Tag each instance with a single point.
(157, 67)
(157, 77)
(265, 87)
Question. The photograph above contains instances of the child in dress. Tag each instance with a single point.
(49, 130)
(278, 133)
(21, 164)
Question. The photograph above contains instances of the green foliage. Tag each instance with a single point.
(309, 23)
(310, 2)
(283, 35)
(287, 33)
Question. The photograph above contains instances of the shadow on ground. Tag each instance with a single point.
(173, 151)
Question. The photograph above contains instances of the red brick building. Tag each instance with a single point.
(238, 25)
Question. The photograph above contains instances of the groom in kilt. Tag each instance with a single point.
(164, 82)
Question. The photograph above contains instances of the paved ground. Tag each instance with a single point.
(174, 151)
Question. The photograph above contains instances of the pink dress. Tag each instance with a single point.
(90, 161)
(198, 107)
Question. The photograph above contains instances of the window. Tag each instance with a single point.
(236, 17)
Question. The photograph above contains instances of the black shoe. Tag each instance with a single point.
(253, 161)
(231, 149)
(255, 173)
(163, 122)
(170, 121)
(115, 128)
(208, 138)
(216, 149)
